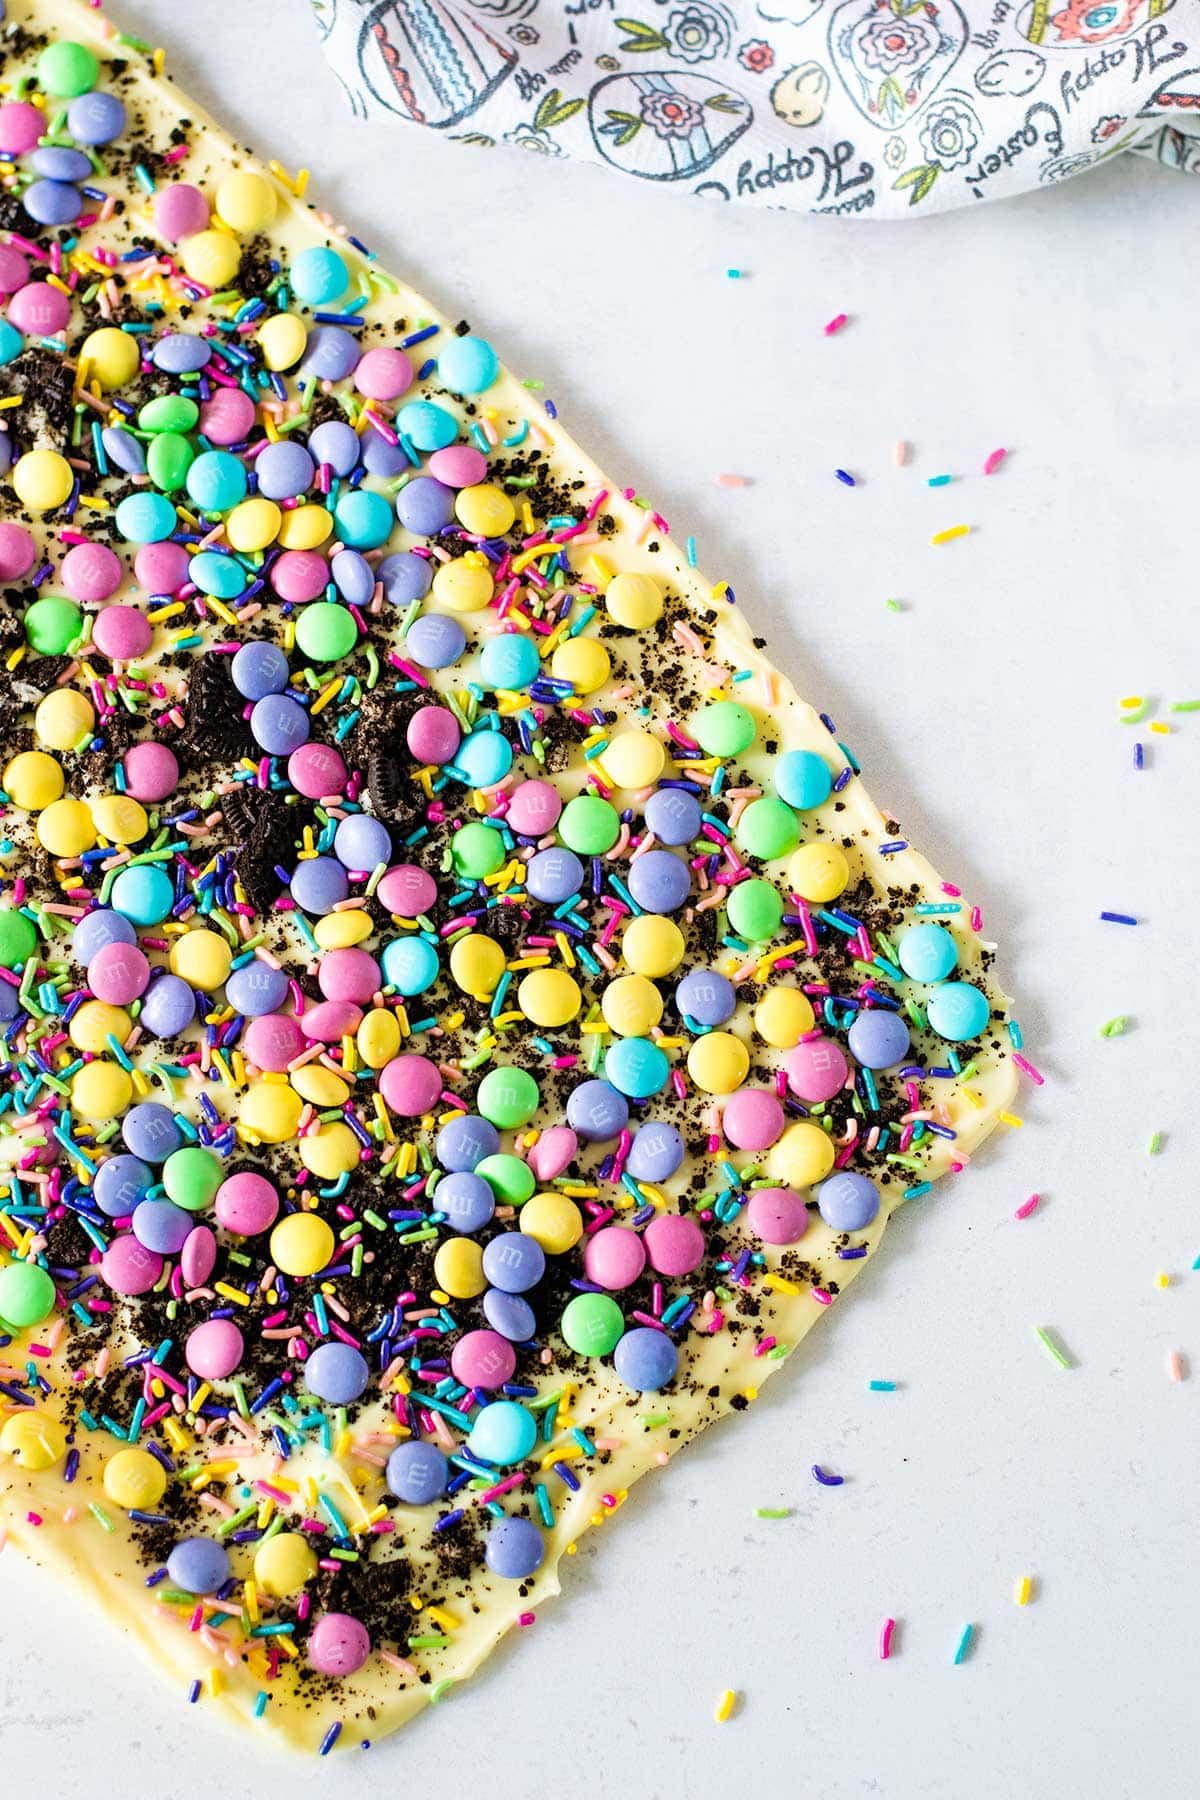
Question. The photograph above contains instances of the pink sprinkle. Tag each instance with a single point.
(900, 453)
(885, 1639)
(726, 480)
(822, 1296)
(768, 1343)
(993, 462)
(1027, 1068)
(835, 324)
(1028, 1206)
(1176, 1367)
(976, 919)
(526, 1618)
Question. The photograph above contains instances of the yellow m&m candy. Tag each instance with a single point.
(652, 945)
(283, 340)
(803, 1155)
(270, 1111)
(93, 1023)
(463, 586)
(43, 478)
(302, 1244)
(549, 997)
(33, 1439)
(320, 1087)
(782, 1017)
(718, 1062)
(330, 1152)
(305, 528)
(284, 1564)
(134, 1480)
(110, 357)
(458, 1268)
(101, 1090)
(246, 201)
(635, 601)
(342, 930)
(202, 958)
(553, 1221)
(120, 818)
(253, 524)
(632, 1006)
(634, 759)
(378, 1037)
(477, 963)
(66, 828)
(582, 661)
(485, 511)
(818, 872)
(211, 258)
(34, 780)
(62, 718)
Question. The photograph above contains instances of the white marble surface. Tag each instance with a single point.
(1064, 327)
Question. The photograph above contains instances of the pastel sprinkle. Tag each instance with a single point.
(726, 1706)
(951, 532)
(1023, 1592)
(993, 462)
(1053, 1349)
(887, 1632)
(1028, 1206)
(1116, 918)
(825, 1479)
(845, 477)
(835, 324)
(1176, 1368)
(963, 1648)
(881, 1387)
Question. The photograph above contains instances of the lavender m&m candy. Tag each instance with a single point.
(406, 890)
(279, 724)
(751, 1119)
(96, 118)
(151, 771)
(272, 1041)
(674, 1244)
(318, 771)
(122, 633)
(410, 1085)
(382, 458)
(330, 353)
(284, 470)
(645, 1359)
(98, 928)
(847, 1201)
(127, 1267)
(417, 1473)
(614, 1257)
(151, 1131)
(118, 973)
(467, 1201)
(673, 815)
(353, 577)
(337, 1373)
(180, 211)
(335, 443)
(120, 1183)
(464, 1142)
(514, 1262)
(214, 1350)
(656, 1152)
(706, 996)
(169, 1007)
(181, 353)
(246, 1203)
(483, 1359)
(597, 1111)
(318, 883)
(198, 1565)
(424, 506)
(534, 808)
(338, 1644)
(17, 551)
(256, 988)
(777, 1215)
(553, 875)
(515, 1549)
(362, 842)
(53, 202)
(879, 1039)
(509, 1314)
(434, 641)
(816, 1070)
(659, 881)
(258, 670)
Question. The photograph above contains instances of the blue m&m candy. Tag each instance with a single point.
(468, 365)
(337, 444)
(509, 1314)
(553, 875)
(279, 724)
(169, 1006)
(673, 815)
(96, 930)
(259, 669)
(879, 1039)
(958, 1011)
(597, 1111)
(410, 965)
(145, 518)
(120, 1184)
(96, 118)
(467, 1201)
(318, 276)
(198, 1565)
(145, 895)
(645, 1359)
(636, 1067)
(927, 952)
(706, 996)
(256, 988)
(462, 1143)
(515, 1549)
(216, 481)
(330, 354)
(659, 881)
(847, 1201)
(802, 778)
(337, 1373)
(509, 662)
(434, 641)
(364, 519)
(483, 758)
(514, 1262)
(151, 1132)
(504, 1432)
(656, 1152)
(362, 842)
(417, 1473)
(318, 883)
(426, 425)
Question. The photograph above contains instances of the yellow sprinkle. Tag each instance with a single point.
(1024, 1590)
(1010, 1119)
(1162, 730)
(237, 1295)
(725, 1706)
(448, 1621)
(954, 531)
(250, 1594)
(1131, 700)
(780, 1284)
(216, 1680)
(1162, 1280)
(324, 697)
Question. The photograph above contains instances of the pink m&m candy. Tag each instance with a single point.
(14, 269)
(198, 1257)
(675, 1245)
(299, 575)
(151, 771)
(383, 374)
(433, 734)
(226, 416)
(338, 1644)
(458, 465)
(614, 1258)
(90, 573)
(39, 310)
(128, 1267)
(553, 1152)
(349, 975)
(118, 973)
(777, 1215)
(161, 568)
(122, 633)
(410, 1085)
(317, 771)
(246, 1203)
(752, 1119)
(534, 808)
(406, 890)
(483, 1359)
(816, 1070)
(272, 1041)
(214, 1350)
(17, 551)
(21, 126)
(329, 1021)
(180, 211)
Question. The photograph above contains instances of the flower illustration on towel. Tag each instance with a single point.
(670, 115)
(694, 33)
(552, 110)
(949, 135)
(890, 43)
(756, 55)
(1107, 127)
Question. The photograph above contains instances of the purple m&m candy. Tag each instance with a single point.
(382, 458)
(673, 815)
(284, 470)
(181, 353)
(338, 1644)
(353, 577)
(198, 1565)
(96, 118)
(467, 1201)
(120, 1183)
(53, 202)
(58, 162)
(151, 1132)
(337, 1373)
(515, 1549)
(362, 842)
(553, 875)
(279, 724)
(597, 1111)
(645, 1359)
(659, 881)
(256, 988)
(706, 996)
(161, 1226)
(424, 506)
(483, 1359)
(777, 1215)
(417, 1473)
(514, 1262)
(335, 443)
(169, 1007)
(656, 1152)
(879, 1039)
(509, 1314)
(318, 883)
(330, 353)
(98, 928)
(258, 670)
(465, 1141)
(847, 1201)
(434, 641)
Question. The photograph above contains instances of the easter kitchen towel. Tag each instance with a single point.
(877, 108)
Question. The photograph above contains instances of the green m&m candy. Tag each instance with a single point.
(192, 1176)
(169, 412)
(589, 825)
(53, 624)
(478, 850)
(755, 909)
(724, 728)
(26, 1294)
(592, 1324)
(67, 69)
(510, 1179)
(18, 938)
(326, 631)
(168, 460)
(508, 1097)
(768, 828)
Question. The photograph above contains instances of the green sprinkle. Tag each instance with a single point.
(442, 1687)
(1184, 706)
(893, 606)
(1053, 1349)
(98, 1513)
(1155, 1144)
(1114, 1027)
(772, 1512)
